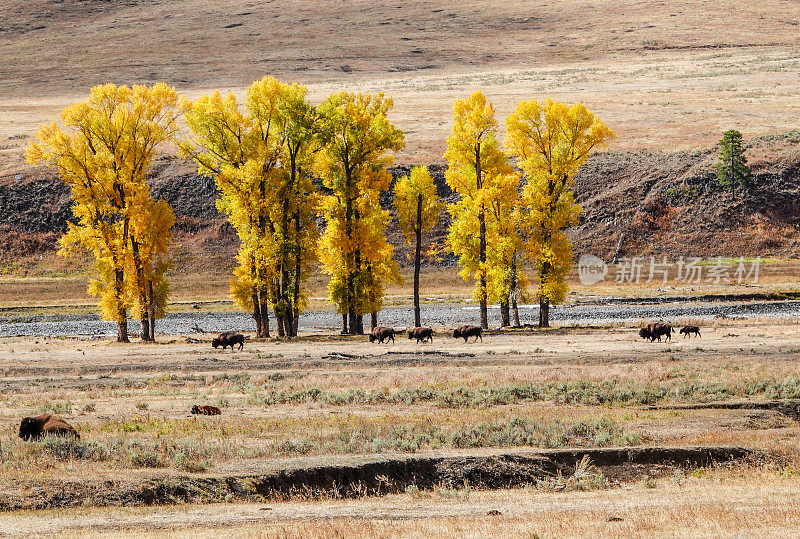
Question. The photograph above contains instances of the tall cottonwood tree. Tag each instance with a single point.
(356, 138)
(474, 160)
(503, 219)
(103, 151)
(150, 263)
(260, 156)
(417, 203)
(551, 141)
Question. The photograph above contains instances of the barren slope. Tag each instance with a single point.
(663, 74)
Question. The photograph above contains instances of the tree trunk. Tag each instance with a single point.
(417, 261)
(514, 308)
(141, 287)
(344, 323)
(482, 252)
(145, 321)
(505, 313)
(265, 319)
(352, 323)
(298, 272)
(544, 313)
(280, 323)
(544, 303)
(359, 330)
(152, 307)
(122, 330)
(122, 315)
(373, 320)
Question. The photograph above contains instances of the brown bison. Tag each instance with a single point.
(379, 333)
(206, 409)
(33, 428)
(686, 330)
(656, 330)
(229, 338)
(421, 334)
(468, 331)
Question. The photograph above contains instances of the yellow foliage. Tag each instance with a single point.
(408, 192)
(103, 149)
(356, 138)
(260, 155)
(551, 142)
(479, 171)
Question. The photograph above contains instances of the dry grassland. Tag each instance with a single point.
(664, 75)
(738, 501)
(566, 388)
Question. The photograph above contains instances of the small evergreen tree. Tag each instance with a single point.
(732, 168)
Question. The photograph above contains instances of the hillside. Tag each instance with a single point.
(664, 75)
(662, 203)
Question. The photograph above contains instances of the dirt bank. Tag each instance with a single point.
(372, 478)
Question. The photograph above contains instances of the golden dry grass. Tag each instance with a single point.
(663, 75)
(285, 400)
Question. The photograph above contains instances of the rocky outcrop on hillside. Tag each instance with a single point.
(672, 205)
(664, 204)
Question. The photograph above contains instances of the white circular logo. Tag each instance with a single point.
(591, 269)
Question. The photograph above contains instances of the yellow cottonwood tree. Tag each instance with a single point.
(503, 202)
(474, 161)
(150, 263)
(356, 138)
(551, 141)
(417, 204)
(103, 151)
(260, 156)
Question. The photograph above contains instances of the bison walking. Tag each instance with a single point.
(229, 338)
(33, 428)
(468, 331)
(421, 334)
(379, 333)
(656, 330)
(686, 330)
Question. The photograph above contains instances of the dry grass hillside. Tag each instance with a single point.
(664, 74)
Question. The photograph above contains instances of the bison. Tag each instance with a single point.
(229, 338)
(655, 330)
(686, 330)
(206, 409)
(468, 331)
(33, 428)
(379, 333)
(421, 334)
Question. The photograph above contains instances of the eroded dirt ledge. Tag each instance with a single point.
(370, 478)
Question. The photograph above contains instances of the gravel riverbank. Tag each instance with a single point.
(444, 314)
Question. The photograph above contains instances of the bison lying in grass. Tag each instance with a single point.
(421, 334)
(206, 409)
(468, 331)
(229, 338)
(33, 428)
(381, 333)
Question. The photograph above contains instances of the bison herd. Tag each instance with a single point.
(655, 330)
(33, 428)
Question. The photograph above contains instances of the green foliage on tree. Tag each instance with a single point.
(732, 169)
